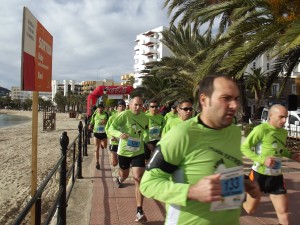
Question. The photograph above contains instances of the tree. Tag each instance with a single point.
(61, 101)
(256, 82)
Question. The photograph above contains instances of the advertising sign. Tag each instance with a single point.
(36, 63)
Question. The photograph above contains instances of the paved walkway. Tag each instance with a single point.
(96, 200)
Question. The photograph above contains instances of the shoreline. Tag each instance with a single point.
(16, 156)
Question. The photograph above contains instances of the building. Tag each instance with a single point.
(65, 86)
(148, 48)
(17, 93)
(127, 79)
(291, 88)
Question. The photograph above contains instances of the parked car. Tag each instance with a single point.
(292, 124)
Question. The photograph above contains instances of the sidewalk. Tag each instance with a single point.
(96, 200)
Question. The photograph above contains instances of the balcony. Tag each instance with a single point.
(150, 52)
(150, 41)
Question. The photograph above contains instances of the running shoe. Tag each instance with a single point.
(98, 166)
(119, 183)
(140, 217)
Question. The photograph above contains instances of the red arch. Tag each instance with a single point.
(110, 90)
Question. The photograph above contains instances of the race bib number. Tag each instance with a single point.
(133, 144)
(276, 169)
(154, 132)
(100, 129)
(232, 183)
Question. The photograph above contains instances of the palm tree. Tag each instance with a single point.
(256, 82)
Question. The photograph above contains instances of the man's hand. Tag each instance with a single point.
(124, 136)
(208, 189)
(270, 161)
(252, 188)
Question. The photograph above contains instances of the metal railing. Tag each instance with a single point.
(68, 175)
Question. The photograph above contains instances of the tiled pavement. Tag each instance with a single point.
(96, 200)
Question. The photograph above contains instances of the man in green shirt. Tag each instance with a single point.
(131, 127)
(196, 168)
(114, 142)
(265, 145)
(173, 113)
(156, 125)
(185, 112)
(98, 122)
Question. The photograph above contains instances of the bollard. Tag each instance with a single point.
(62, 204)
(79, 160)
(85, 137)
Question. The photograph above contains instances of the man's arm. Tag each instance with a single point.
(251, 141)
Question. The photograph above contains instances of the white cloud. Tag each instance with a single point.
(92, 39)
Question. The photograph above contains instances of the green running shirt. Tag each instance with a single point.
(197, 151)
(156, 125)
(136, 126)
(263, 141)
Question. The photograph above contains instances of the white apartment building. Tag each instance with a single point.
(148, 48)
(17, 93)
(65, 86)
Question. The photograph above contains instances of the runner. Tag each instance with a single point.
(173, 113)
(131, 126)
(194, 162)
(156, 125)
(113, 140)
(185, 112)
(98, 123)
(269, 140)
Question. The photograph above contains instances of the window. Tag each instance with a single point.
(292, 119)
(274, 89)
(268, 66)
(254, 65)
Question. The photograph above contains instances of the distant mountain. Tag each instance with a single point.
(3, 91)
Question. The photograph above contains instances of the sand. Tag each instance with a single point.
(15, 159)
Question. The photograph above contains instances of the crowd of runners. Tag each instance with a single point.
(192, 160)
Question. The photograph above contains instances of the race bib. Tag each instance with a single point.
(154, 132)
(133, 144)
(276, 169)
(100, 129)
(232, 183)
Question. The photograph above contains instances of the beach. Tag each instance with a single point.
(15, 159)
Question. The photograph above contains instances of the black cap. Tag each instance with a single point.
(121, 102)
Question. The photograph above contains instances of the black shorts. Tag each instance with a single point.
(135, 161)
(113, 148)
(269, 184)
(100, 136)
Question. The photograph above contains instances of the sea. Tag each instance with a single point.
(11, 120)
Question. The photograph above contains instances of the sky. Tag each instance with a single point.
(92, 39)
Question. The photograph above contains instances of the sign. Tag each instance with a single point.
(36, 63)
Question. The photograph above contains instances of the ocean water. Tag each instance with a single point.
(11, 120)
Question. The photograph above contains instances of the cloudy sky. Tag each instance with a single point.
(92, 39)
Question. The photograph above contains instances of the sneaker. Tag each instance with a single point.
(140, 217)
(98, 166)
(119, 183)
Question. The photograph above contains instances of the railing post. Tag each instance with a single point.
(62, 204)
(38, 211)
(79, 160)
(89, 132)
(85, 137)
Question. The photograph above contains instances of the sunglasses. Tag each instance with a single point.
(153, 106)
(187, 109)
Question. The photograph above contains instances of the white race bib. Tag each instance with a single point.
(133, 144)
(100, 129)
(276, 169)
(232, 182)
